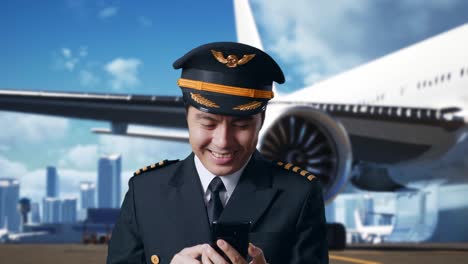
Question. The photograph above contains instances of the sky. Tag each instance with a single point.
(129, 46)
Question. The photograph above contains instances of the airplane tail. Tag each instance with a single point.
(246, 29)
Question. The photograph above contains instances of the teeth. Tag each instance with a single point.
(222, 155)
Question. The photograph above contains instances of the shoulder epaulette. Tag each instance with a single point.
(154, 166)
(296, 169)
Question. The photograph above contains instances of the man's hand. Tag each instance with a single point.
(188, 255)
(210, 256)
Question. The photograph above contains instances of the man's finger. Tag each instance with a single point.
(193, 252)
(205, 258)
(232, 253)
(188, 255)
(257, 254)
(213, 255)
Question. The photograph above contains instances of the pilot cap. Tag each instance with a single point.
(228, 78)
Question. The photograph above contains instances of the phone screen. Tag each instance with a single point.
(234, 233)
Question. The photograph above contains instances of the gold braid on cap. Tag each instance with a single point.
(249, 106)
(203, 101)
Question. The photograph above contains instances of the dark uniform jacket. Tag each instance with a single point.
(164, 212)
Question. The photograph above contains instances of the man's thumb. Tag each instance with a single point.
(256, 254)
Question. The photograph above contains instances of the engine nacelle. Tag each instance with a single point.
(312, 140)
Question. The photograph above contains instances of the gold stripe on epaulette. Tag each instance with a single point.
(287, 166)
(154, 166)
(310, 177)
(304, 172)
(280, 163)
(295, 169)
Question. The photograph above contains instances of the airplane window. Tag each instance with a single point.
(436, 80)
(442, 78)
(424, 84)
(429, 83)
(448, 76)
(462, 72)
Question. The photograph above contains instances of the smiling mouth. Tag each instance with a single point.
(226, 155)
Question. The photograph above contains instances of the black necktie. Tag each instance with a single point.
(215, 206)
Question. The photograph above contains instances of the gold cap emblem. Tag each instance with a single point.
(232, 61)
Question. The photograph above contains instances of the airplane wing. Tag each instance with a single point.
(119, 109)
(393, 134)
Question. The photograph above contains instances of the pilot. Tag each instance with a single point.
(167, 212)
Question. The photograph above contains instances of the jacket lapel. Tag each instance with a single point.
(188, 203)
(253, 193)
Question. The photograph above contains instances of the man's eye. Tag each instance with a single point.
(208, 125)
(241, 125)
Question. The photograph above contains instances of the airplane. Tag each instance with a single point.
(368, 126)
(374, 234)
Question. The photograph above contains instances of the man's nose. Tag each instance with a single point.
(222, 137)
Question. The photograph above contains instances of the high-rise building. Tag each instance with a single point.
(9, 196)
(52, 186)
(35, 215)
(109, 170)
(51, 210)
(88, 195)
(68, 210)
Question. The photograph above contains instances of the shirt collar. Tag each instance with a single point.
(230, 181)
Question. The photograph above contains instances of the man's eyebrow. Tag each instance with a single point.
(205, 116)
(243, 118)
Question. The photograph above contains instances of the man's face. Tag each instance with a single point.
(222, 143)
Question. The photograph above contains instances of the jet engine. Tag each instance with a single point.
(312, 140)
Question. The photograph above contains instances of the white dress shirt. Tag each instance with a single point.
(230, 181)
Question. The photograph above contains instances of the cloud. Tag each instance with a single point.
(88, 79)
(318, 39)
(32, 128)
(83, 52)
(66, 53)
(108, 12)
(4, 148)
(124, 72)
(64, 59)
(139, 152)
(11, 169)
(145, 21)
(83, 157)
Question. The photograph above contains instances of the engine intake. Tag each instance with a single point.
(313, 140)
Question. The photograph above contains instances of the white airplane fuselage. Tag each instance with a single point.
(432, 73)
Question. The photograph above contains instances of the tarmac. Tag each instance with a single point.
(362, 254)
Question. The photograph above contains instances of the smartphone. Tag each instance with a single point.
(234, 233)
